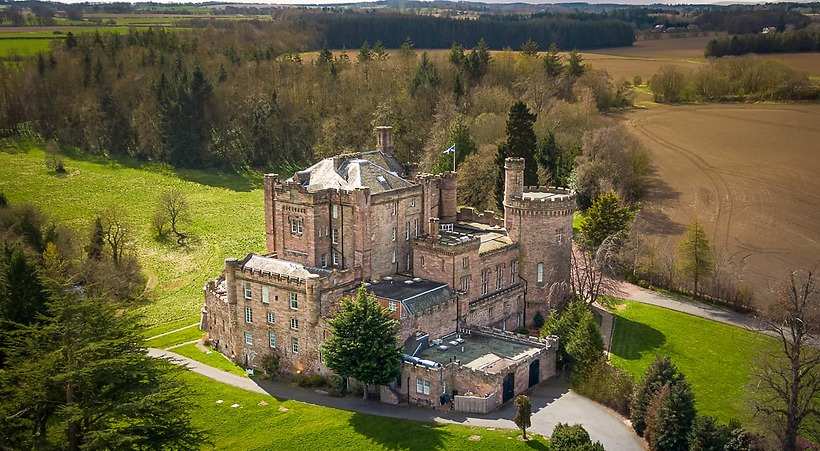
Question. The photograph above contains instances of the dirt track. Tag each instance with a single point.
(749, 173)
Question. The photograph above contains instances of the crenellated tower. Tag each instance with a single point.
(539, 219)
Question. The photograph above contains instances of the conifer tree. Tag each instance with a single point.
(365, 54)
(606, 217)
(553, 65)
(407, 49)
(81, 379)
(363, 341)
(660, 373)
(457, 57)
(696, 259)
(548, 157)
(575, 66)
(96, 243)
(529, 48)
(24, 296)
(521, 141)
(500, 156)
(672, 425)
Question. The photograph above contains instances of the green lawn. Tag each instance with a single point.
(305, 426)
(23, 46)
(716, 358)
(168, 327)
(227, 211)
(212, 358)
(181, 336)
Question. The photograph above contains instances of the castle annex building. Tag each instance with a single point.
(458, 281)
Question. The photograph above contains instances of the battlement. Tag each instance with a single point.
(548, 200)
(488, 217)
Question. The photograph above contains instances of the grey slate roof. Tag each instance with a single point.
(415, 296)
(375, 170)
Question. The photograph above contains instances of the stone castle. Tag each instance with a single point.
(460, 282)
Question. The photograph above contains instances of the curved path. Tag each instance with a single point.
(552, 402)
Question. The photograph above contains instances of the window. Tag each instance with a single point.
(408, 263)
(272, 340)
(393, 234)
(513, 271)
(294, 345)
(334, 210)
(392, 306)
(296, 226)
(540, 273)
(248, 315)
(248, 291)
(422, 261)
(465, 262)
(490, 313)
(294, 324)
(265, 295)
(485, 281)
(394, 256)
(407, 231)
(334, 237)
(416, 227)
(294, 301)
(446, 227)
(412, 201)
(465, 283)
(395, 208)
(323, 260)
(499, 277)
(270, 317)
(248, 338)
(422, 386)
(335, 258)
(559, 236)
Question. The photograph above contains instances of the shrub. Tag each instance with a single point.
(270, 364)
(708, 435)
(337, 384)
(538, 320)
(607, 385)
(580, 343)
(310, 381)
(4, 202)
(572, 438)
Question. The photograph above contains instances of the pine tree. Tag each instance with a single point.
(523, 413)
(365, 54)
(521, 140)
(673, 424)
(24, 297)
(529, 48)
(457, 57)
(548, 157)
(575, 66)
(500, 157)
(426, 77)
(70, 40)
(696, 259)
(458, 88)
(407, 49)
(553, 65)
(660, 373)
(606, 217)
(325, 57)
(82, 379)
(363, 341)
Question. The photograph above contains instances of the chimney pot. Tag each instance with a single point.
(384, 138)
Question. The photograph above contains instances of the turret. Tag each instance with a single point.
(448, 208)
(384, 139)
(513, 178)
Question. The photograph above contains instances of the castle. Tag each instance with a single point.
(460, 282)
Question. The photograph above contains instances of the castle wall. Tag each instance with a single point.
(392, 215)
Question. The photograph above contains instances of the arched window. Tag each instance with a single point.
(540, 273)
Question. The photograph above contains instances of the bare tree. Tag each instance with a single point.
(172, 210)
(116, 231)
(591, 270)
(788, 394)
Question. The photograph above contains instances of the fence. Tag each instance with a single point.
(475, 404)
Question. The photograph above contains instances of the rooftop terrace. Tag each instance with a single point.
(490, 237)
(479, 351)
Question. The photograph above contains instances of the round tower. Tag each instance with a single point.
(449, 198)
(539, 219)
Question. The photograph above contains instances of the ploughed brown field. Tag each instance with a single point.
(749, 173)
(646, 57)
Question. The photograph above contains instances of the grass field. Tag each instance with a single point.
(227, 219)
(748, 173)
(275, 426)
(180, 336)
(23, 47)
(716, 358)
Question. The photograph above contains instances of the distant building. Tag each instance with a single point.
(458, 281)
(768, 30)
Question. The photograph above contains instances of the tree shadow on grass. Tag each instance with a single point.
(392, 433)
(632, 340)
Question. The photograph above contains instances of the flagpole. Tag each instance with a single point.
(454, 158)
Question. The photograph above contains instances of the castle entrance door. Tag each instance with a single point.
(508, 388)
(535, 372)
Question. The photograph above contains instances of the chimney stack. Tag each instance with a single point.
(384, 139)
(434, 228)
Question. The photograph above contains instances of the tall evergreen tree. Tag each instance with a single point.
(82, 379)
(521, 141)
(500, 156)
(457, 57)
(553, 65)
(606, 217)
(96, 243)
(675, 415)
(661, 372)
(529, 48)
(696, 259)
(24, 296)
(548, 157)
(363, 341)
(426, 77)
(575, 65)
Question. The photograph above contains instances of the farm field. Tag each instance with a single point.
(716, 358)
(748, 173)
(227, 215)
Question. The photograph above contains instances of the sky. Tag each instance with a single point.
(330, 2)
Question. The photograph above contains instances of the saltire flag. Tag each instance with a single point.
(450, 149)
